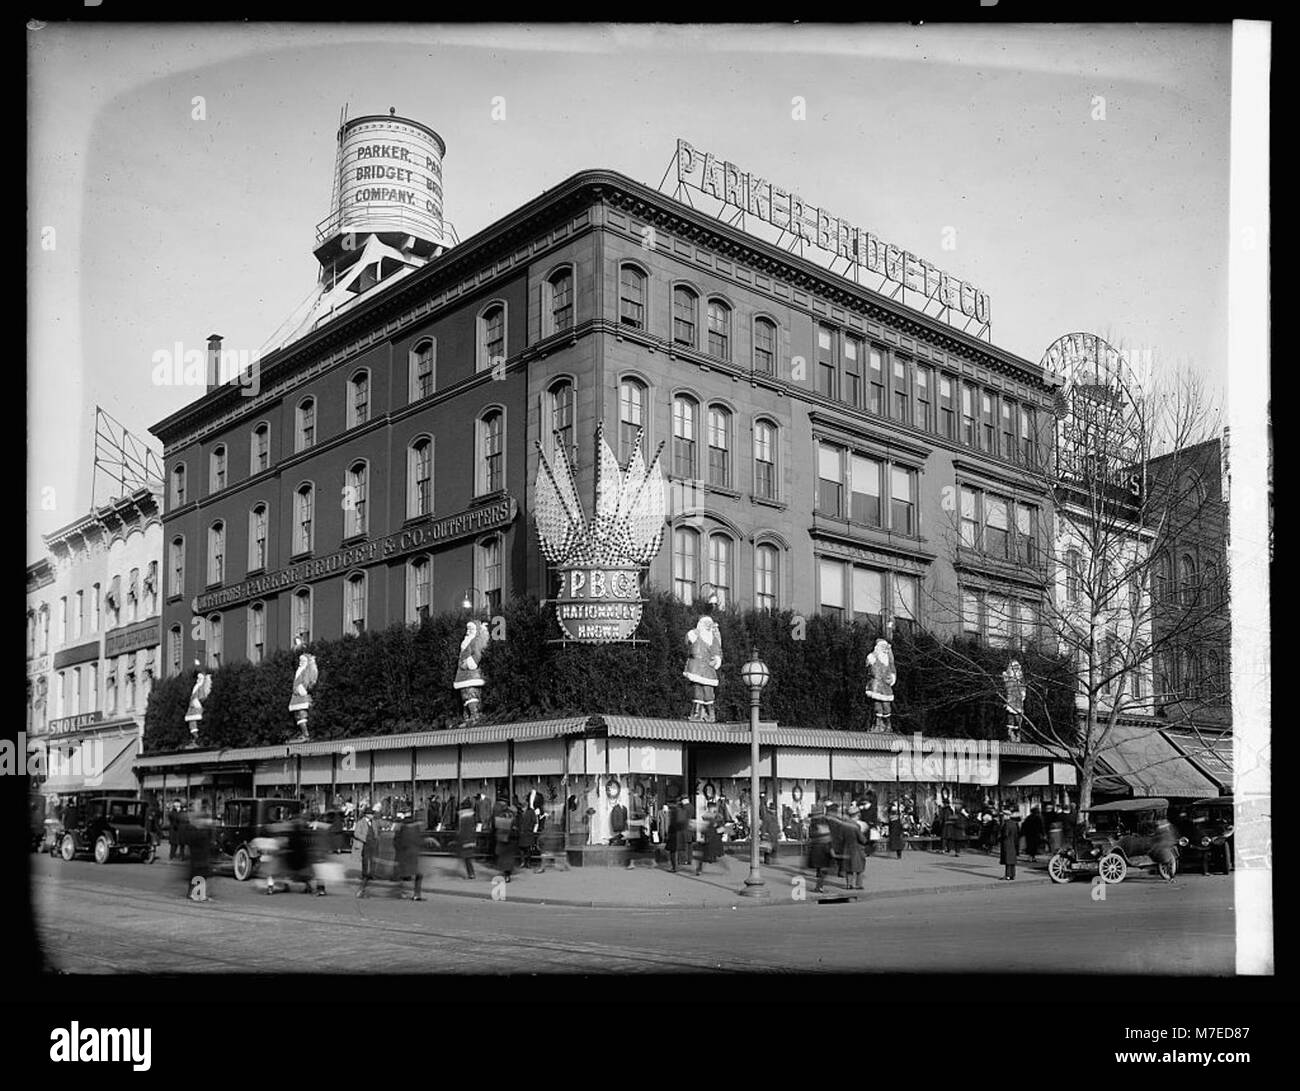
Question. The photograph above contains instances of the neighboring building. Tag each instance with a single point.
(816, 436)
(92, 639)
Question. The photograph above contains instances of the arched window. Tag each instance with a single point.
(686, 317)
(767, 577)
(424, 363)
(492, 336)
(631, 297)
(354, 603)
(561, 419)
(686, 428)
(765, 448)
(719, 447)
(257, 632)
(257, 530)
(302, 615)
(1187, 578)
(304, 504)
(178, 484)
(488, 574)
(491, 469)
(419, 474)
(359, 399)
(259, 452)
(216, 639)
(419, 582)
(217, 467)
(686, 554)
(175, 650)
(216, 552)
(1213, 680)
(721, 567)
(177, 566)
(765, 346)
(559, 302)
(719, 329)
(355, 508)
(632, 404)
(305, 432)
(1191, 676)
(1211, 583)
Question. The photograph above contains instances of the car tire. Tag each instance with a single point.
(243, 863)
(68, 847)
(1169, 869)
(149, 855)
(1112, 868)
(103, 850)
(1058, 868)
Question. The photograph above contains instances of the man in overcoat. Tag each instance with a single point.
(1010, 836)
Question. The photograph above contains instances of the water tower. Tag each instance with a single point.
(385, 216)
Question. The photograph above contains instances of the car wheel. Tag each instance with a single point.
(243, 863)
(1169, 869)
(1058, 867)
(1112, 868)
(102, 850)
(67, 847)
(149, 855)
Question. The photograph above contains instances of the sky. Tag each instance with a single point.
(1083, 172)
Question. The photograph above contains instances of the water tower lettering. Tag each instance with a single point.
(383, 151)
(385, 174)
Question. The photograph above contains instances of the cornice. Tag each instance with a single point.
(868, 431)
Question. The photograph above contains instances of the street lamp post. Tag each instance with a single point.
(755, 675)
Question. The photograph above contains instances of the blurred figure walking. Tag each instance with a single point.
(408, 839)
(467, 835)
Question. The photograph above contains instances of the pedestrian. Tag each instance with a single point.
(175, 838)
(507, 841)
(854, 849)
(679, 831)
(710, 847)
(1010, 835)
(819, 845)
(366, 834)
(771, 833)
(467, 835)
(896, 841)
(947, 826)
(408, 839)
(837, 837)
(196, 836)
(1032, 827)
(1163, 847)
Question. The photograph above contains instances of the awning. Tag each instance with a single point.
(1209, 749)
(1146, 763)
(97, 764)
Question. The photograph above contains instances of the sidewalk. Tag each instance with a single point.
(918, 872)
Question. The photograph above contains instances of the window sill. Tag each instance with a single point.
(303, 556)
(723, 490)
(489, 497)
(214, 584)
(353, 539)
(415, 520)
(769, 502)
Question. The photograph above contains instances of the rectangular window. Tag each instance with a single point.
(631, 298)
(988, 425)
(902, 505)
(947, 409)
(968, 415)
(996, 539)
(832, 588)
(970, 611)
(875, 381)
(1009, 448)
(684, 450)
(719, 449)
(854, 350)
(907, 592)
(95, 595)
(257, 557)
(685, 305)
(970, 522)
(174, 653)
(81, 613)
(902, 391)
(1026, 436)
(562, 302)
(307, 425)
(868, 593)
(719, 331)
(764, 462)
(1027, 534)
(765, 347)
(356, 604)
(423, 574)
(924, 405)
(685, 545)
(765, 597)
(302, 616)
(262, 442)
(257, 633)
(826, 371)
(864, 480)
(830, 481)
(720, 568)
(1027, 622)
(999, 622)
(494, 336)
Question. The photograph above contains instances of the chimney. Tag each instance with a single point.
(214, 361)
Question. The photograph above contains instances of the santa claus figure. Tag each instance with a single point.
(469, 674)
(881, 688)
(705, 642)
(199, 694)
(1013, 678)
(303, 680)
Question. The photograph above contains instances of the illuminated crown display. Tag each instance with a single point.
(628, 525)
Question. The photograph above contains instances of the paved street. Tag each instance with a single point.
(128, 918)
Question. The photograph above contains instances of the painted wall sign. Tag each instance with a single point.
(144, 635)
(784, 209)
(426, 535)
(601, 561)
(74, 723)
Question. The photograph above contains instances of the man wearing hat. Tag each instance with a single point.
(1010, 834)
(679, 831)
(366, 834)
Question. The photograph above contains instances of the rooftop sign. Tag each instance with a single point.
(786, 210)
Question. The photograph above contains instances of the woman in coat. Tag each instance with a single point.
(896, 836)
(819, 845)
(711, 849)
(854, 841)
(1010, 836)
(506, 825)
(407, 842)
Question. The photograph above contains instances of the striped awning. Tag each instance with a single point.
(1142, 760)
(210, 757)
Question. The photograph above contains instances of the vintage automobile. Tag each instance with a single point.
(1116, 836)
(242, 823)
(107, 828)
(1207, 825)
